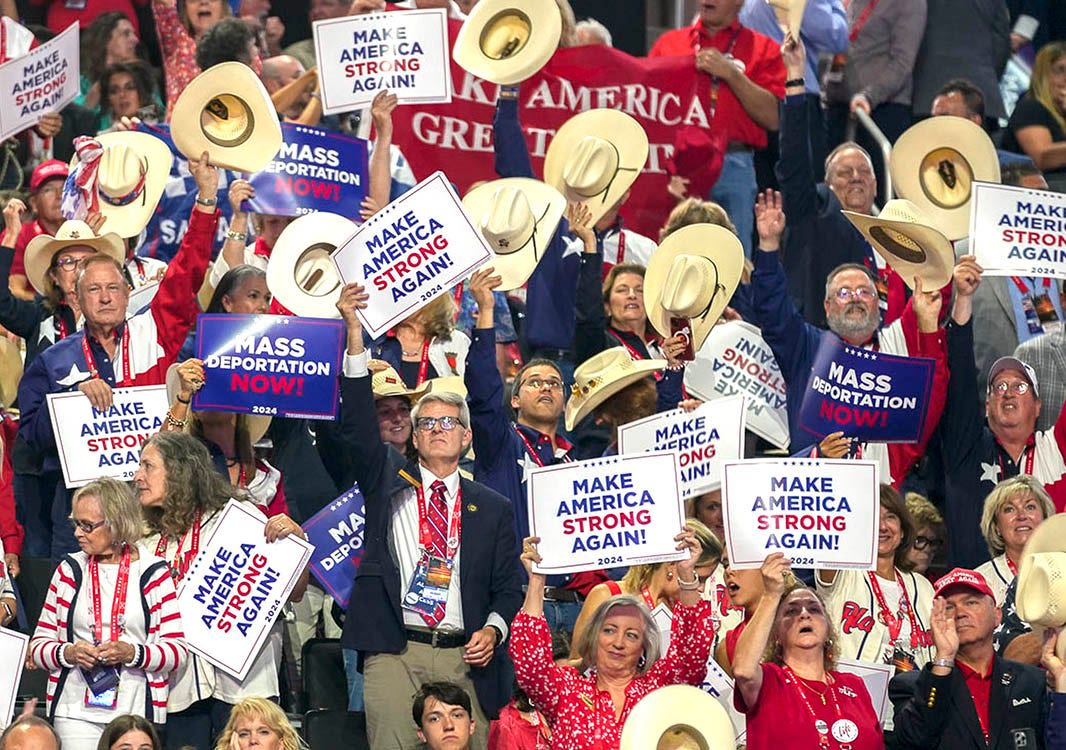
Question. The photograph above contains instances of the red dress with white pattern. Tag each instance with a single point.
(582, 716)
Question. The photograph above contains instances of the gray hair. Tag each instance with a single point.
(91, 260)
(119, 507)
(586, 644)
(1008, 489)
(845, 146)
(27, 723)
(443, 397)
(832, 275)
(595, 28)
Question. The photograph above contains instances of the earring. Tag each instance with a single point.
(642, 661)
(669, 576)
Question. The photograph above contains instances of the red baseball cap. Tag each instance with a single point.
(46, 171)
(962, 577)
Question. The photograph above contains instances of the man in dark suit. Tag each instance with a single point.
(438, 582)
(968, 697)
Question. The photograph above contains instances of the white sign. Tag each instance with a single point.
(821, 513)
(44, 80)
(606, 512)
(94, 443)
(735, 360)
(702, 440)
(720, 685)
(405, 52)
(13, 653)
(876, 677)
(236, 587)
(417, 247)
(1018, 231)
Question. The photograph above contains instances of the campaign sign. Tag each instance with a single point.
(821, 513)
(867, 395)
(720, 685)
(735, 360)
(94, 443)
(702, 439)
(236, 587)
(279, 365)
(315, 170)
(1016, 231)
(876, 678)
(13, 647)
(44, 80)
(417, 247)
(336, 532)
(406, 53)
(606, 512)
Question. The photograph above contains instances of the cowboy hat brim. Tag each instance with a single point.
(578, 406)
(677, 708)
(624, 133)
(717, 244)
(42, 248)
(913, 166)
(933, 263)
(11, 366)
(547, 205)
(1048, 537)
(321, 228)
(544, 26)
(249, 151)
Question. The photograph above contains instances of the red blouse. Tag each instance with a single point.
(582, 716)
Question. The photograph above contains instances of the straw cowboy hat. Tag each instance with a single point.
(10, 371)
(601, 376)
(386, 383)
(517, 216)
(1041, 596)
(72, 233)
(789, 14)
(121, 175)
(227, 112)
(594, 157)
(907, 238)
(448, 384)
(507, 41)
(692, 275)
(678, 717)
(935, 163)
(301, 274)
(257, 424)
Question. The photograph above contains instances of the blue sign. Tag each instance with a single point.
(336, 531)
(868, 395)
(314, 170)
(277, 365)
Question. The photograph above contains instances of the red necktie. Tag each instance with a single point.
(437, 515)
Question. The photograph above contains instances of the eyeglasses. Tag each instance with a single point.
(1019, 387)
(68, 263)
(426, 424)
(536, 384)
(863, 293)
(87, 527)
(921, 542)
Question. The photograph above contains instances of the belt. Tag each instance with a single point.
(437, 638)
(557, 594)
(738, 147)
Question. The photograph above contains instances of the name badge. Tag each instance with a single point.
(429, 584)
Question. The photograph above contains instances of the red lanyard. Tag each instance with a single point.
(647, 597)
(179, 566)
(60, 326)
(621, 246)
(458, 300)
(118, 603)
(425, 534)
(1011, 565)
(891, 620)
(819, 725)
(140, 269)
(1030, 453)
(423, 365)
(861, 21)
(715, 82)
(90, 361)
(633, 353)
(532, 452)
(1024, 288)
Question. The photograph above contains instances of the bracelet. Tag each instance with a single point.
(316, 95)
(693, 585)
(794, 82)
(238, 236)
(172, 422)
(10, 615)
(206, 201)
(182, 400)
(946, 663)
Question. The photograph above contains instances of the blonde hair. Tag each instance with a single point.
(923, 512)
(695, 211)
(118, 506)
(711, 552)
(268, 713)
(1040, 83)
(1008, 489)
(438, 317)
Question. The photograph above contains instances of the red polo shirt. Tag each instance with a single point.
(763, 66)
(980, 687)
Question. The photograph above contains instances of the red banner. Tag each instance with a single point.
(663, 94)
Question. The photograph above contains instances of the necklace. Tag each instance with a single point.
(820, 693)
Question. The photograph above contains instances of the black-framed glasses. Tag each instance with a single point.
(932, 542)
(87, 527)
(446, 423)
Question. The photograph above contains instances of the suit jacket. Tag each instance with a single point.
(938, 712)
(488, 568)
(995, 333)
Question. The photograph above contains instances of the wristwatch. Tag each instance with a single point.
(206, 201)
(946, 663)
(498, 632)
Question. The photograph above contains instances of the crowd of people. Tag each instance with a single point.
(451, 637)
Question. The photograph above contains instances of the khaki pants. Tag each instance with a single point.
(393, 679)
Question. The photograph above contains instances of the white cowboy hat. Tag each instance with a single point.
(908, 239)
(594, 157)
(301, 274)
(1041, 595)
(227, 112)
(257, 424)
(789, 14)
(507, 41)
(386, 383)
(693, 275)
(11, 365)
(935, 163)
(517, 216)
(132, 172)
(677, 717)
(42, 248)
(601, 376)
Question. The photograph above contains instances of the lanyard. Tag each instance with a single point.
(118, 603)
(621, 246)
(893, 621)
(861, 21)
(633, 353)
(140, 269)
(423, 365)
(647, 597)
(90, 361)
(1030, 453)
(458, 300)
(425, 534)
(532, 453)
(1024, 288)
(1011, 565)
(179, 566)
(61, 326)
(819, 725)
(715, 81)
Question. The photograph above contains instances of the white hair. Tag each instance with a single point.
(596, 29)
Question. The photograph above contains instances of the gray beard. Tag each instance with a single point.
(851, 327)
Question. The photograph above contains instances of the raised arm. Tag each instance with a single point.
(747, 669)
(380, 160)
(484, 386)
(20, 316)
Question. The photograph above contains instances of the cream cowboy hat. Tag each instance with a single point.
(507, 41)
(386, 383)
(789, 14)
(227, 112)
(678, 717)
(517, 216)
(10, 371)
(601, 376)
(1041, 596)
(594, 158)
(448, 384)
(692, 275)
(133, 170)
(257, 424)
(935, 163)
(301, 274)
(43, 247)
(907, 238)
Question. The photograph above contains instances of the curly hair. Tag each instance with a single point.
(94, 40)
(192, 484)
(438, 317)
(775, 650)
(266, 712)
